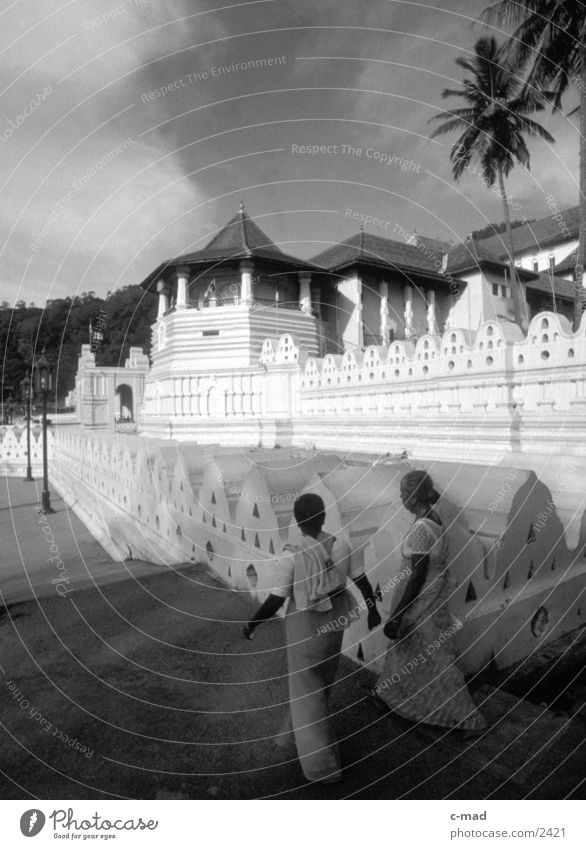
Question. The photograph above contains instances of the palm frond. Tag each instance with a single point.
(496, 118)
(535, 130)
(449, 126)
(510, 13)
(452, 92)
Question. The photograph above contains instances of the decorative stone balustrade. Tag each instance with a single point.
(545, 368)
(13, 449)
(516, 581)
(479, 397)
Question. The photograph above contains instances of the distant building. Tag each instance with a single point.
(546, 245)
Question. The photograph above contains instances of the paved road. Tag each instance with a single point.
(141, 687)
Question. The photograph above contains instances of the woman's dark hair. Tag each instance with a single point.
(310, 513)
(421, 486)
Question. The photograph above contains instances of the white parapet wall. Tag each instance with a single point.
(516, 585)
(492, 396)
(14, 450)
(471, 398)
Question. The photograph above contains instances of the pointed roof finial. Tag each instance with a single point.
(362, 238)
(244, 219)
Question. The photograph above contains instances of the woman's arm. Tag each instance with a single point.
(419, 569)
(267, 609)
(369, 596)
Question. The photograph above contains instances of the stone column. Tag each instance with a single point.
(360, 323)
(305, 292)
(432, 327)
(409, 329)
(163, 298)
(316, 300)
(182, 281)
(383, 288)
(246, 271)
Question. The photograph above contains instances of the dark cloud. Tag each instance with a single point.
(213, 103)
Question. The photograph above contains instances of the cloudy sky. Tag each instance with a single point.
(130, 131)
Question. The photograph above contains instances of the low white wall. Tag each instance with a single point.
(476, 397)
(13, 450)
(168, 502)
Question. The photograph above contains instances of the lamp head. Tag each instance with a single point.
(43, 374)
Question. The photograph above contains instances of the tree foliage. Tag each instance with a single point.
(63, 326)
(551, 35)
(493, 125)
(497, 229)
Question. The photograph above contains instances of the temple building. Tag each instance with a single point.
(219, 305)
(224, 299)
(384, 290)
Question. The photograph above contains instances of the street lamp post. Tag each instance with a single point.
(44, 384)
(27, 386)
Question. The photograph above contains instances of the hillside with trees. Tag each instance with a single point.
(63, 326)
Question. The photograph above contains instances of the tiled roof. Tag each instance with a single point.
(240, 238)
(537, 234)
(376, 250)
(557, 286)
(566, 264)
(468, 255)
(473, 253)
(433, 244)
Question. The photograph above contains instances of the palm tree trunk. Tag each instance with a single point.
(579, 269)
(519, 307)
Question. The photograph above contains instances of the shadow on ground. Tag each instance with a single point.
(145, 689)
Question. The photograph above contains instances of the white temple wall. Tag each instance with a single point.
(516, 584)
(397, 311)
(13, 450)
(191, 340)
(349, 312)
(542, 255)
(420, 309)
(496, 418)
(497, 305)
(481, 398)
(370, 308)
(469, 308)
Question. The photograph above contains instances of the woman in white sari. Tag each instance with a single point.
(313, 575)
(420, 679)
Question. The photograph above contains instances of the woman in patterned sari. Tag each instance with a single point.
(420, 680)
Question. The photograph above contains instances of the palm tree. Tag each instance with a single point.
(494, 123)
(552, 33)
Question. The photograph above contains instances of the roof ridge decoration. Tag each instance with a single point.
(243, 218)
